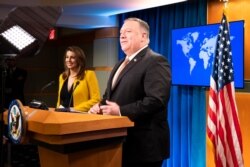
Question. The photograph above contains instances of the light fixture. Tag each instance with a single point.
(18, 37)
(26, 29)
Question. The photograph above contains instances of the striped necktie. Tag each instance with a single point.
(122, 66)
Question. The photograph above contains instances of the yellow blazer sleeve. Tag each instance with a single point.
(87, 93)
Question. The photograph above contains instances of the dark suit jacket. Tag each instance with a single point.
(142, 91)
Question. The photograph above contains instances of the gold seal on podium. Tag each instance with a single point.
(16, 122)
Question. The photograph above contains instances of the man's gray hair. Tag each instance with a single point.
(142, 23)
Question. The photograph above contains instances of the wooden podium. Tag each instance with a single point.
(76, 139)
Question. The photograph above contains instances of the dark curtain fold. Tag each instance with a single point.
(187, 105)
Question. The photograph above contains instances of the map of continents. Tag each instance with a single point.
(193, 51)
(204, 43)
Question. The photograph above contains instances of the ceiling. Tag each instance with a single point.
(85, 14)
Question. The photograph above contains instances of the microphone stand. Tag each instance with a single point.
(67, 109)
(70, 100)
(40, 104)
(46, 86)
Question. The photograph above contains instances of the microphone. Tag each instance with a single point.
(40, 104)
(77, 83)
(102, 102)
(47, 85)
(67, 109)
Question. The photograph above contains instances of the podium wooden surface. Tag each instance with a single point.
(76, 139)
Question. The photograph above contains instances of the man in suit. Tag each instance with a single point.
(141, 92)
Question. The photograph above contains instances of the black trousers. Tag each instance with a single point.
(143, 164)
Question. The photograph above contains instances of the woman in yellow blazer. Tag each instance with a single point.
(78, 87)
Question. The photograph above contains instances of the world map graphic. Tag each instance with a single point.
(193, 52)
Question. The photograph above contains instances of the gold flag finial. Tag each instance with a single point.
(225, 6)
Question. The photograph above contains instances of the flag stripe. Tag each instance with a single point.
(223, 128)
(226, 107)
(237, 138)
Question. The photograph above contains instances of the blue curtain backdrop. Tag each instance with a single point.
(187, 111)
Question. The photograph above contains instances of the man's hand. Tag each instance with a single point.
(95, 109)
(111, 108)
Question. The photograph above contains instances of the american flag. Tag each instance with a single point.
(223, 128)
